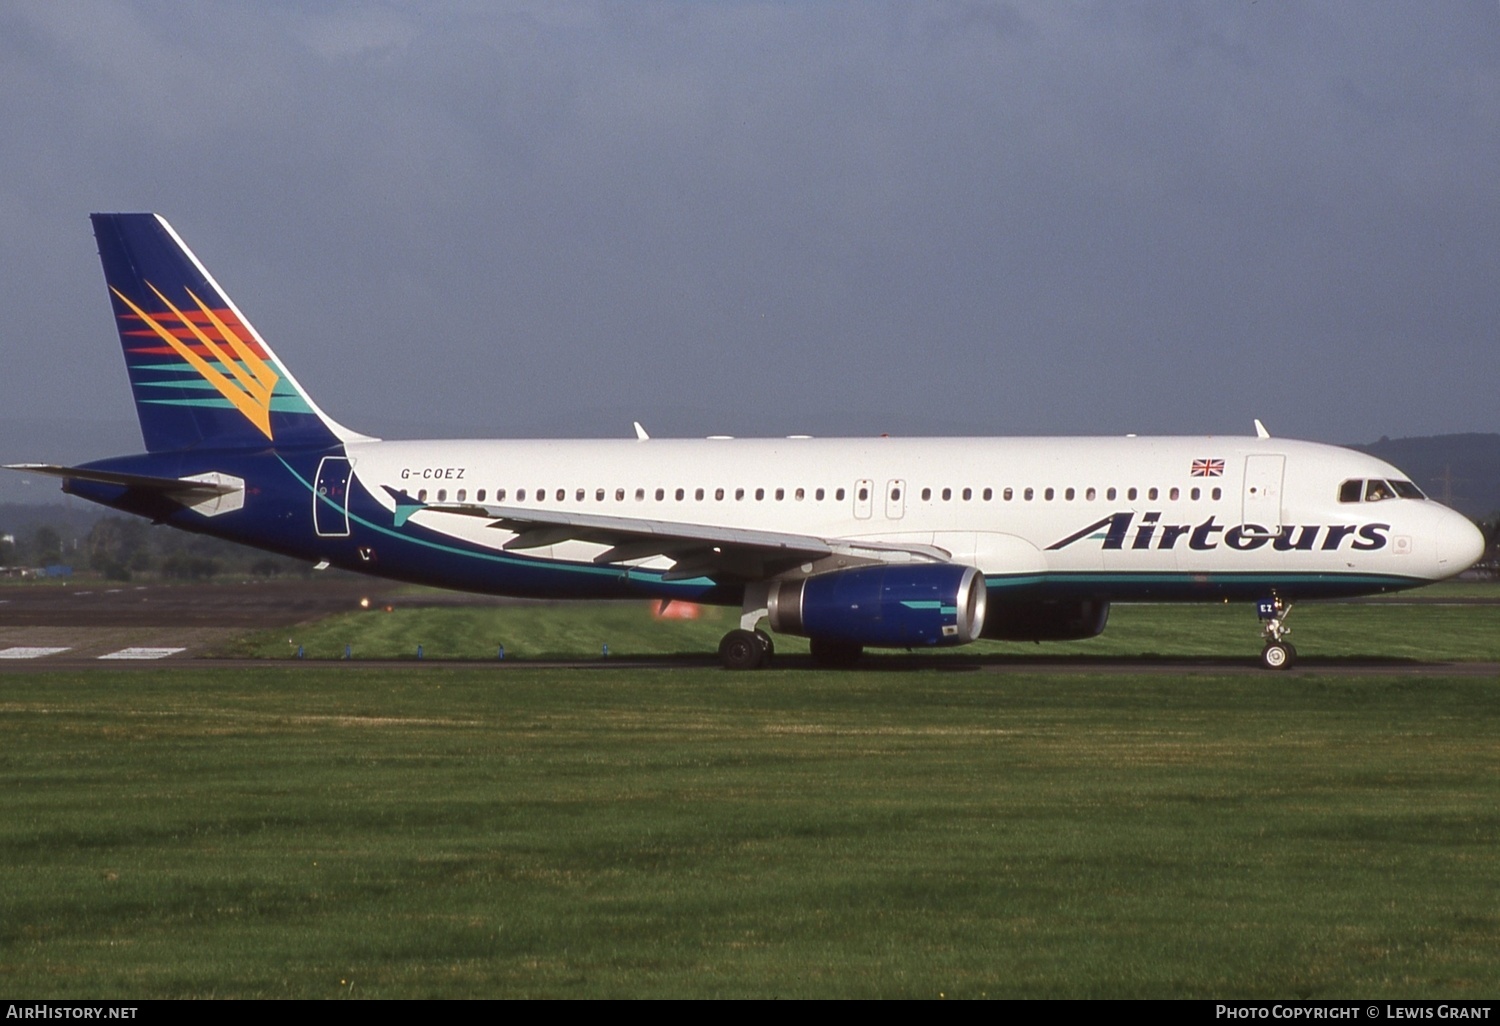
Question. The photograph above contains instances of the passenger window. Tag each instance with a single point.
(442, 495)
(1088, 496)
(968, 494)
(462, 494)
(1174, 493)
(619, 495)
(640, 495)
(989, 493)
(926, 494)
(1151, 494)
(1008, 494)
(1130, 494)
(520, 495)
(1110, 495)
(1218, 493)
(739, 493)
(562, 494)
(599, 495)
(760, 494)
(500, 495)
(864, 494)
(1068, 495)
(838, 495)
(679, 494)
(947, 494)
(422, 495)
(661, 493)
(718, 495)
(1196, 493)
(800, 494)
(818, 495)
(1027, 494)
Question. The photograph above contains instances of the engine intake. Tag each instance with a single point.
(885, 606)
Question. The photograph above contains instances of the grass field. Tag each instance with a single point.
(1387, 629)
(447, 831)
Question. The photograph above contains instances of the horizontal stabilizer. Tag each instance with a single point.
(168, 485)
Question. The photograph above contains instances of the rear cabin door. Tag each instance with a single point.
(331, 498)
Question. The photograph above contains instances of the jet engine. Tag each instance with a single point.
(889, 606)
(1049, 620)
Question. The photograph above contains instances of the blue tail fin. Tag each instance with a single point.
(201, 375)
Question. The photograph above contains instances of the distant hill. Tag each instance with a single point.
(71, 521)
(1460, 470)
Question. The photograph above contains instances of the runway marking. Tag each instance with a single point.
(143, 653)
(28, 652)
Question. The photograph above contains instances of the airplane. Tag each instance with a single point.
(852, 543)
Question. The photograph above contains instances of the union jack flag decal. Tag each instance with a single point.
(1208, 468)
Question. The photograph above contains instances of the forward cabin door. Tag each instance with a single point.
(1261, 501)
(331, 498)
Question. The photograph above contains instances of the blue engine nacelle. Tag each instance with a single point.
(885, 606)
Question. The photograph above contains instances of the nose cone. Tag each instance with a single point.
(1459, 544)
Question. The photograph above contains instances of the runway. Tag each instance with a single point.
(46, 627)
(89, 621)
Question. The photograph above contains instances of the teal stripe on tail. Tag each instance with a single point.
(201, 374)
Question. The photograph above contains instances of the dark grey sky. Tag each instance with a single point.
(487, 219)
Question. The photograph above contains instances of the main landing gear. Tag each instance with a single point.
(746, 650)
(750, 648)
(1279, 654)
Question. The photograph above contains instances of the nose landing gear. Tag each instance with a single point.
(1278, 653)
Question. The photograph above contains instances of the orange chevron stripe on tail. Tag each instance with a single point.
(253, 379)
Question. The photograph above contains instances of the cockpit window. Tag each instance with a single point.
(1376, 490)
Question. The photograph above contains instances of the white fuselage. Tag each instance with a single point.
(1009, 506)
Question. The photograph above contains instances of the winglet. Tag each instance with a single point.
(640, 432)
(1260, 430)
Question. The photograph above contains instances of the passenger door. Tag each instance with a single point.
(331, 498)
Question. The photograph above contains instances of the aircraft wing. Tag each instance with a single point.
(697, 550)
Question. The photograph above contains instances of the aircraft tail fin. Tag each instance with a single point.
(201, 374)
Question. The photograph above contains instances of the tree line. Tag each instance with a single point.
(128, 548)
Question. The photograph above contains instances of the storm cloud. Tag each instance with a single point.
(492, 219)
